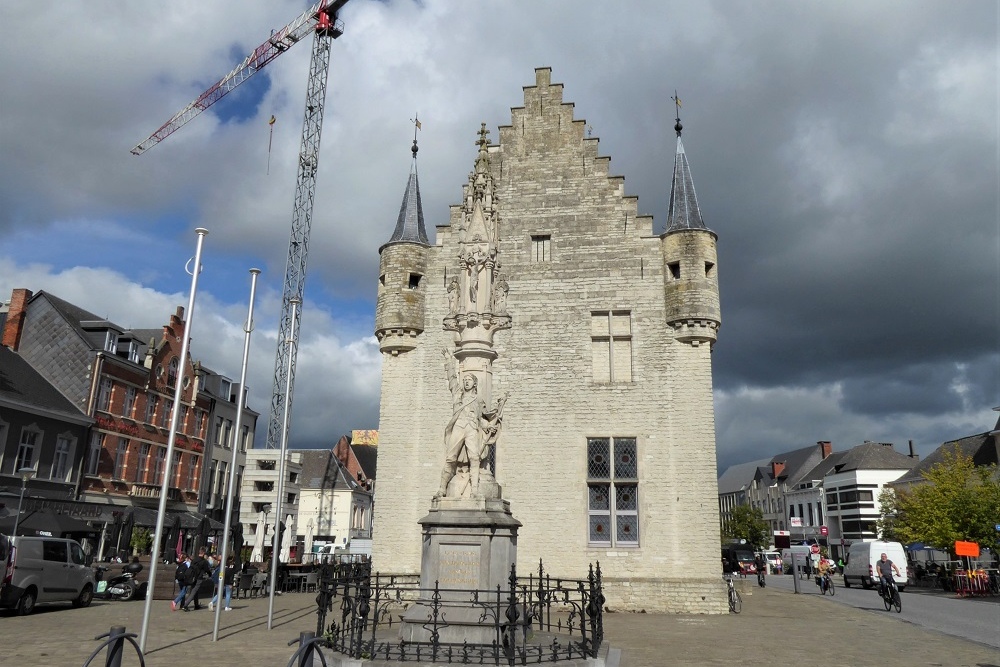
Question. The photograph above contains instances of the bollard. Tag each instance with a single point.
(116, 646)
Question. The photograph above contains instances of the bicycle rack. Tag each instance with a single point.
(307, 642)
(115, 643)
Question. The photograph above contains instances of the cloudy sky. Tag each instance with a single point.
(846, 154)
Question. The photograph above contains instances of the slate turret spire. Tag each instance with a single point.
(400, 306)
(683, 211)
(691, 280)
(410, 223)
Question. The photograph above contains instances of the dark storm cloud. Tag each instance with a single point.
(845, 153)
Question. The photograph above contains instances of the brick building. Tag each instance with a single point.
(607, 451)
(124, 380)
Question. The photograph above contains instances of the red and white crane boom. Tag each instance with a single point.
(279, 42)
(322, 20)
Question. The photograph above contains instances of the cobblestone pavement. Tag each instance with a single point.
(775, 628)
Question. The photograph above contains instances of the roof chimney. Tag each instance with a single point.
(913, 455)
(777, 467)
(15, 318)
(825, 447)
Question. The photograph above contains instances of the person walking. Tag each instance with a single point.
(197, 573)
(229, 576)
(181, 577)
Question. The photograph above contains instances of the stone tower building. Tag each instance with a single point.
(608, 445)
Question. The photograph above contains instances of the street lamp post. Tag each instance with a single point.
(26, 474)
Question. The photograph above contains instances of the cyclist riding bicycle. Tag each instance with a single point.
(761, 565)
(885, 568)
(824, 570)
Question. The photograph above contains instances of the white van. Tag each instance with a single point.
(804, 553)
(862, 556)
(45, 569)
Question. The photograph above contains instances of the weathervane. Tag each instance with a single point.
(677, 108)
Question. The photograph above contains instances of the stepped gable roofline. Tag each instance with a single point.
(23, 388)
(874, 456)
(410, 222)
(984, 449)
(683, 211)
(543, 79)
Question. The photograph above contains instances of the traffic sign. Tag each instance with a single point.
(814, 548)
(824, 531)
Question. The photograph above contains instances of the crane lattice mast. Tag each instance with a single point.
(322, 20)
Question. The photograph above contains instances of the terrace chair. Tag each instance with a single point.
(312, 579)
(245, 586)
(259, 585)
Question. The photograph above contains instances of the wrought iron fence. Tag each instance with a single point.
(532, 620)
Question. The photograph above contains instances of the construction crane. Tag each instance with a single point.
(322, 21)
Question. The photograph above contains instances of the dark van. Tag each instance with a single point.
(738, 559)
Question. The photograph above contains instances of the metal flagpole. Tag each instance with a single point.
(174, 417)
(276, 537)
(240, 403)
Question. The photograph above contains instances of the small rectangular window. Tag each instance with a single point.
(415, 280)
(140, 469)
(61, 459)
(709, 270)
(104, 395)
(129, 404)
(26, 450)
(675, 270)
(151, 402)
(178, 460)
(168, 407)
(94, 454)
(541, 248)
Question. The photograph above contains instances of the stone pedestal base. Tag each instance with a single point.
(469, 544)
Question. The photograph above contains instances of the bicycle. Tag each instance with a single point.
(735, 600)
(890, 596)
(825, 584)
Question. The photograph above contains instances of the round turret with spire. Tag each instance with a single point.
(690, 273)
(400, 306)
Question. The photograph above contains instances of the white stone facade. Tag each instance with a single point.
(603, 344)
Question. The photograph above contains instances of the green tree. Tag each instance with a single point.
(747, 523)
(957, 501)
(142, 539)
(888, 513)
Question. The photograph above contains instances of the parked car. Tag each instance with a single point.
(45, 569)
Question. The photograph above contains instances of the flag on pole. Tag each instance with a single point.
(272, 121)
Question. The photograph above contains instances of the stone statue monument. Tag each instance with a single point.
(473, 429)
(470, 535)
